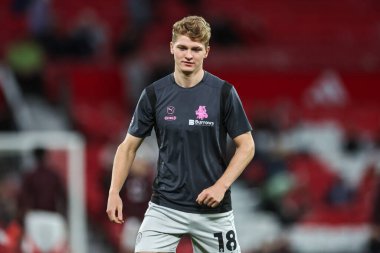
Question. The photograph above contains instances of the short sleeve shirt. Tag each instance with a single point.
(191, 128)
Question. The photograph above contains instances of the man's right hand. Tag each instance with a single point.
(115, 208)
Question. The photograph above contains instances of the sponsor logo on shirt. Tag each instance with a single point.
(201, 114)
(170, 111)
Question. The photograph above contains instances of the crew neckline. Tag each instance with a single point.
(189, 88)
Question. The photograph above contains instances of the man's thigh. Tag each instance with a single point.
(214, 233)
(161, 230)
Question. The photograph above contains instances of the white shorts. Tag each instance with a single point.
(163, 227)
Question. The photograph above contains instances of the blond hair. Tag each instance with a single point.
(194, 27)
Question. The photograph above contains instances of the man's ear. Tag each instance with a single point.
(171, 47)
(207, 51)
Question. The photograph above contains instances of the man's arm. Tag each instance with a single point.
(245, 150)
(123, 160)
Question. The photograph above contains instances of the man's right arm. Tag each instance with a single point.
(123, 160)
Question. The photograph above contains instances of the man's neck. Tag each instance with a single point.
(188, 81)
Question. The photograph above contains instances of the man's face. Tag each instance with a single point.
(188, 54)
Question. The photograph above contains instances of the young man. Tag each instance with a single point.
(192, 112)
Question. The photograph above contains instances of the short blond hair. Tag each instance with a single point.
(194, 27)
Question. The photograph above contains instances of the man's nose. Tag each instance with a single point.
(189, 55)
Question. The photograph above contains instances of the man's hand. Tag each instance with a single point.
(211, 196)
(115, 208)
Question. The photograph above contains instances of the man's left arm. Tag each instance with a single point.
(245, 150)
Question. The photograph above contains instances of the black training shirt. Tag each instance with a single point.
(191, 136)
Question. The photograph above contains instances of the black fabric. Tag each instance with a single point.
(225, 92)
(191, 128)
(152, 97)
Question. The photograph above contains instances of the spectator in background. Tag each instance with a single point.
(43, 206)
(88, 37)
(39, 16)
(128, 43)
(42, 188)
(54, 40)
(26, 58)
(140, 12)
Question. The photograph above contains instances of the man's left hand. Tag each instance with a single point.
(211, 196)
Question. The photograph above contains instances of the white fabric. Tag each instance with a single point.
(46, 230)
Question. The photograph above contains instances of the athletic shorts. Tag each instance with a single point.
(162, 229)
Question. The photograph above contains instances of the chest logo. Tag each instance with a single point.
(170, 113)
(170, 109)
(201, 112)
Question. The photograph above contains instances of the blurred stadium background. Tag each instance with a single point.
(308, 73)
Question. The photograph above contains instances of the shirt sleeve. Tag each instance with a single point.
(235, 119)
(143, 118)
